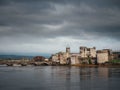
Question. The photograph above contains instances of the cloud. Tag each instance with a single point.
(35, 23)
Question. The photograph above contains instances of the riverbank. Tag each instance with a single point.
(49, 63)
(98, 65)
(80, 65)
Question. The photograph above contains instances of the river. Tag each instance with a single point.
(59, 78)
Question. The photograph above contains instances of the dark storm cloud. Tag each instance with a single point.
(28, 20)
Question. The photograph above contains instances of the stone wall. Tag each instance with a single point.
(102, 56)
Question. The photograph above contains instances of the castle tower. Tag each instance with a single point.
(67, 49)
(67, 52)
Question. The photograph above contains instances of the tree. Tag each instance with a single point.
(39, 58)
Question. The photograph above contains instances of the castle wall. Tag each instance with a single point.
(102, 57)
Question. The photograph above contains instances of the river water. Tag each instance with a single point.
(59, 78)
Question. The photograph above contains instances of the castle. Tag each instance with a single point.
(85, 56)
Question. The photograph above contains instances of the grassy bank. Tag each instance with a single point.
(115, 61)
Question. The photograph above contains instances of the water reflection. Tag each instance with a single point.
(59, 78)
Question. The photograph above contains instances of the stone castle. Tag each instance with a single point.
(85, 56)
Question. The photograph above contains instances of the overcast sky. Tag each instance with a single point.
(48, 26)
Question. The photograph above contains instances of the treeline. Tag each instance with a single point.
(14, 57)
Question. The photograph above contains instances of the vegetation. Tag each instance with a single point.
(115, 61)
(89, 60)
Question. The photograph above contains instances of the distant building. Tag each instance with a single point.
(104, 55)
(39, 58)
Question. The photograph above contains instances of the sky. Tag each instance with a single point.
(49, 26)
